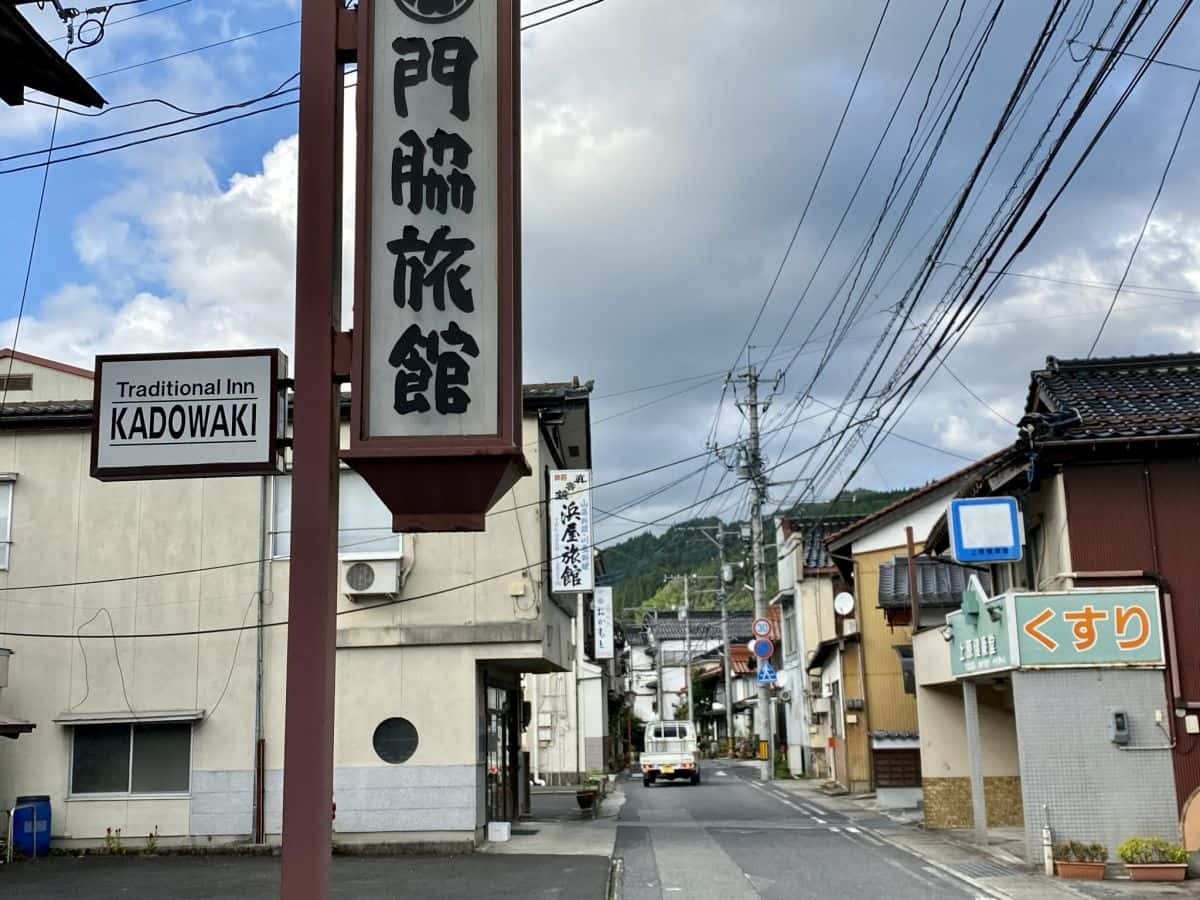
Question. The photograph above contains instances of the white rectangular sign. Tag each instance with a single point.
(433, 317)
(183, 415)
(571, 530)
(602, 621)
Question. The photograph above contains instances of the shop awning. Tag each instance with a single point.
(123, 716)
(13, 728)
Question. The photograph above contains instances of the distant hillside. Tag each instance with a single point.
(638, 566)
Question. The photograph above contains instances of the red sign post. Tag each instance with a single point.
(434, 358)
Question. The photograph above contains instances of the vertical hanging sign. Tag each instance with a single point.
(602, 621)
(436, 360)
(571, 530)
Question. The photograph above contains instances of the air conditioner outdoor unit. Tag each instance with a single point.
(820, 706)
(785, 695)
(367, 579)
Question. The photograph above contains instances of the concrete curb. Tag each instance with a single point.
(616, 878)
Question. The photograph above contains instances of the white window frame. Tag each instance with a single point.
(9, 479)
(350, 555)
(72, 796)
(790, 643)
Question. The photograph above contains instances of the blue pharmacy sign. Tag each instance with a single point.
(984, 530)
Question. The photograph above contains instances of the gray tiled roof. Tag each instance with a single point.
(1120, 397)
(814, 531)
(940, 582)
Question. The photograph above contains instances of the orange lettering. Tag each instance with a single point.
(1124, 616)
(1084, 628)
(1033, 629)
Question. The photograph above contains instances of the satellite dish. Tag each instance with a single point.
(843, 604)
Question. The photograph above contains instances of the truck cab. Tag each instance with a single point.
(670, 753)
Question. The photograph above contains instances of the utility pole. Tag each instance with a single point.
(687, 650)
(753, 473)
(723, 597)
(658, 652)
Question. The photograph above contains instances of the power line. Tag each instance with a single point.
(151, 139)
(37, 223)
(1149, 214)
(999, 415)
(148, 12)
(955, 329)
(816, 184)
(561, 15)
(190, 50)
(190, 116)
(440, 592)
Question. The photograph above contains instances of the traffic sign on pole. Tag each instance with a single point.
(761, 628)
(767, 674)
(764, 648)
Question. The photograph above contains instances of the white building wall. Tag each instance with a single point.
(418, 659)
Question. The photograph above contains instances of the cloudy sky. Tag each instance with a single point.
(669, 148)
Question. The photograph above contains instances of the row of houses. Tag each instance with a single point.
(919, 701)
(145, 698)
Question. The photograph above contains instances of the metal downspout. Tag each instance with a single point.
(260, 743)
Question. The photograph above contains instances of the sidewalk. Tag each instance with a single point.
(557, 853)
(996, 871)
(556, 826)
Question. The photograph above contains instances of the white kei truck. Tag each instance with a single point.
(670, 753)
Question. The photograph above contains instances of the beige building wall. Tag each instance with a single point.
(421, 658)
(945, 766)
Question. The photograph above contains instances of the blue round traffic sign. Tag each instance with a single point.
(764, 648)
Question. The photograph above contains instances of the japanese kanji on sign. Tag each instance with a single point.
(436, 361)
(571, 530)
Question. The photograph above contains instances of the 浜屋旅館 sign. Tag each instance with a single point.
(1095, 628)
(186, 415)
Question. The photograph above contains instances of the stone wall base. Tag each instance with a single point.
(948, 802)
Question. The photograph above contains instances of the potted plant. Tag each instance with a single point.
(1074, 859)
(591, 791)
(1154, 859)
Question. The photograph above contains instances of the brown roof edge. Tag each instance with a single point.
(844, 536)
(9, 353)
(938, 538)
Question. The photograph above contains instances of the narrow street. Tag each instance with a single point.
(733, 838)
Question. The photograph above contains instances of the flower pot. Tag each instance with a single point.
(1157, 871)
(1084, 871)
(585, 799)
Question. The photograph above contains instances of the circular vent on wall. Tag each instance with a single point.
(395, 740)
(360, 576)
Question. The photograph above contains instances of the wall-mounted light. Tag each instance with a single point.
(947, 634)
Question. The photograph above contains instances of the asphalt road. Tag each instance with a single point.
(731, 838)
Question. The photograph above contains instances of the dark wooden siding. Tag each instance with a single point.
(1146, 515)
(897, 768)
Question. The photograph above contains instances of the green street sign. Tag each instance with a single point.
(1106, 627)
(980, 634)
(1101, 628)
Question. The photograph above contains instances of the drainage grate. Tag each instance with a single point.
(525, 830)
(983, 869)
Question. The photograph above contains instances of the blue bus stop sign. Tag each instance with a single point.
(985, 530)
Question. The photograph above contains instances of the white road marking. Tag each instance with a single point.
(874, 840)
(853, 830)
(835, 829)
(721, 773)
(819, 821)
